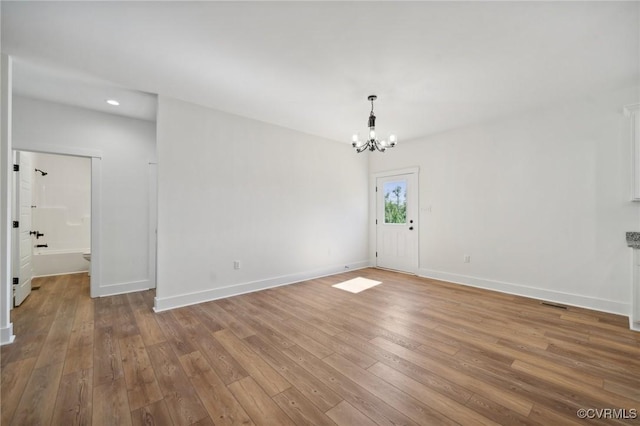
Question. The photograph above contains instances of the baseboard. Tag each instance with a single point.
(6, 335)
(166, 303)
(63, 273)
(577, 300)
(122, 288)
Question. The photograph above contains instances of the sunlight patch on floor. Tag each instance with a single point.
(356, 285)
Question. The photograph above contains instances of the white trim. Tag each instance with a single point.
(60, 150)
(51, 252)
(61, 273)
(634, 309)
(96, 218)
(122, 288)
(386, 173)
(152, 239)
(165, 303)
(577, 300)
(633, 112)
(6, 335)
(6, 157)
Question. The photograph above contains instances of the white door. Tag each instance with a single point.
(397, 222)
(23, 245)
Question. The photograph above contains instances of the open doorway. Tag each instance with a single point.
(52, 218)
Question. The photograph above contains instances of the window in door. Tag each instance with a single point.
(395, 202)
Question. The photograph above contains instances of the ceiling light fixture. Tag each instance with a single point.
(372, 143)
(113, 102)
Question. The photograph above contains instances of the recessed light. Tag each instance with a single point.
(113, 102)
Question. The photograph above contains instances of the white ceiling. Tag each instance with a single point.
(310, 65)
(71, 87)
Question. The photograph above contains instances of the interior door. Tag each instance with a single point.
(23, 241)
(397, 222)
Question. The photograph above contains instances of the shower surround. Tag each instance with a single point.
(61, 210)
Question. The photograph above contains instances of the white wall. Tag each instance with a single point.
(124, 147)
(540, 202)
(287, 205)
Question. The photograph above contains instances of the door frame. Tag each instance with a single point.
(373, 212)
(153, 222)
(96, 175)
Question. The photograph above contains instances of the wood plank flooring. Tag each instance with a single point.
(410, 351)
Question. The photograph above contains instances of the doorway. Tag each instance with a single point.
(53, 202)
(397, 221)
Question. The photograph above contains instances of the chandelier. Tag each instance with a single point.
(372, 143)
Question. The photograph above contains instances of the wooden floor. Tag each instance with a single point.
(409, 351)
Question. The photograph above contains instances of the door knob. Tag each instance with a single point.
(411, 228)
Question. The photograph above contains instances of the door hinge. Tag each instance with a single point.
(376, 221)
(16, 280)
(16, 167)
(376, 189)
(16, 224)
(376, 254)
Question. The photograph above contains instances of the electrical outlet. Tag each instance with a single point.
(236, 264)
(467, 258)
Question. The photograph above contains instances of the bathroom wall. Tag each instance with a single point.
(62, 212)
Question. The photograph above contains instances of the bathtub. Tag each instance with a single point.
(56, 262)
